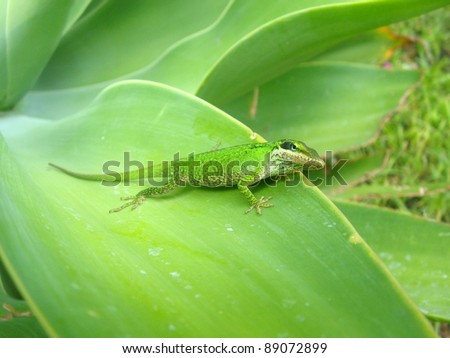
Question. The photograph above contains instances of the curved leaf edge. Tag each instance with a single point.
(260, 31)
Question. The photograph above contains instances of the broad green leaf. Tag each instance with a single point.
(7, 283)
(15, 322)
(415, 251)
(209, 29)
(385, 192)
(332, 106)
(190, 264)
(94, 51)
(372, 47)
(30, 32)
(215, 58)
(298, 37)
(182, 63)
(21, 327)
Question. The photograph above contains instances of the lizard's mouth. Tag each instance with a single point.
(314, 164)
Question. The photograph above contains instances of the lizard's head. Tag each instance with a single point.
(297, 153)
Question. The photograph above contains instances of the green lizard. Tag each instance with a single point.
(241, 166)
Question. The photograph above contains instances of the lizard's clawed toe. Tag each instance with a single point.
(134, 202)
(262, 202)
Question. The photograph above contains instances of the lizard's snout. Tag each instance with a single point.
(315, 163)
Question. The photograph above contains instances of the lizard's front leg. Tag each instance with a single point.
(136, 200)
(256, 204)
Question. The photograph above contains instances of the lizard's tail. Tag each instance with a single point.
(111, 176)
(95, 177)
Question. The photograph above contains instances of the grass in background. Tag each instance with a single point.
(418, 135)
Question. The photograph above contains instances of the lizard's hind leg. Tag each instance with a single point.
(136, 200)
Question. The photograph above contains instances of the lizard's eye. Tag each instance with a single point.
(288, 145)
